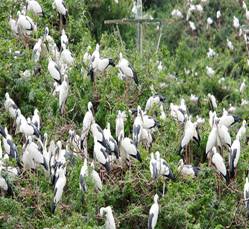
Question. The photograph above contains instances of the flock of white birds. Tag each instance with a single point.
(119, 149)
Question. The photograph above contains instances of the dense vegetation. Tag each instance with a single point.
(188, 203)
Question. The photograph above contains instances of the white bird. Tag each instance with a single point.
(242, 130)
(87, 121)
(101, 155)
(224, 136)
(8, 144)
(126, 68)
(213, 102)
(192, 26)
(218, 14)
(128, 148)
(36, 119)
(234, 156)
(137, 127)
(159, 66)
(25, 25)
(246, 194)
(54, 71)
(242, 87)
(212, 137)
(96, 178)
(87, 56)
(162, 115)
(188, 170)
(194, 98)
(113, 146)
(153, 101)
(176, 13)
(134, 8)
(66, 57)
(245, 8)
(13, 26)
(218, 162)
(37, 50)
(59, 5)
(199, 8)
(83, 175)
(95, 53)
(230, 44)
(64, 39)
(244, 102)
(34, 7)
(109, 219)
(153, 166)
(231, 109)
(190, 132)
(177, 113)
(227, 119)
(211, 53)
(210, 71)
(59, 186)
(121, 116)
(32, 153)
(63, 94)
(28, 128)
(10, 105)
(236, 23)
(153, 214)
(209, 21)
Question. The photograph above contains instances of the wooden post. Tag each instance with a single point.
(139, 15)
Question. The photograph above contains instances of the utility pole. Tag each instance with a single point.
(139, 21)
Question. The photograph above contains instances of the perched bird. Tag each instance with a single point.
(153, 166)
(83, 175)
(13, 26)
(34, 7)
(58, 188)
(188, 170)
(87, 56)
(176, 13)
(218, 14)
(162, 115)
(212, 101)
(109, 219)
(37, 50)
(32, 155)
(101, 155)
(113, 146)
(234, 156)
(192, 26)
(218, 162)
(230, 45)
(66, 57)
(25, 25)
(96, 178)
(153, 101)
(153, 214)
(246, 195)
(120, 123)
(64, 39)
(137, 127)
(10, 105)
(128, 148)
(126, 68)
(210, 71)
(54, 71)
(36, 119)
(211, 53)
(59, 5)
(236, 23)
(227, 119)
(242, 87)
(242, 130)
(63, 94)
(29, 129)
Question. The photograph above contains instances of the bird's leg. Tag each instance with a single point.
(186, 154)
(60, 23)
(189, 154)
(163, 188)
(126, 86)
